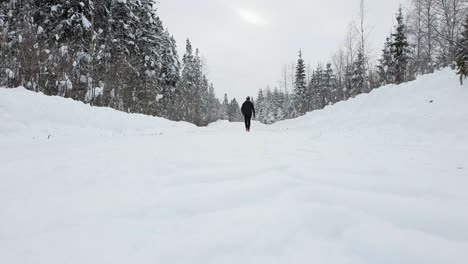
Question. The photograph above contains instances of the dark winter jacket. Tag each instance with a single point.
(248, 108)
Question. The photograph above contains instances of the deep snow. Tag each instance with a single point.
(379, 179)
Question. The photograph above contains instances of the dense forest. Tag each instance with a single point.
(107, 53)
(118, 54)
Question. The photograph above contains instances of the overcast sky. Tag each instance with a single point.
(245, 43)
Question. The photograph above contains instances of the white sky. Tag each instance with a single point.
(245, 43)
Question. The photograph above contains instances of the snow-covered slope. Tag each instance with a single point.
(27, 114)
(378, 179)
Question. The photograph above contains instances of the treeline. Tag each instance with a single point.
(107, 53)
(118, 54)
(430, 37)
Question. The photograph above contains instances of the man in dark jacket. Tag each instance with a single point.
(247, 110)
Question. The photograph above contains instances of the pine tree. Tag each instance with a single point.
(234, 113)
(331, 85)
(20, 49)
(212, 111)
(170, 70)
(3, 44)
(359, 79)
(316, 89)
(205, 103)
(462, 53)
(225, 107)
(260, 106)
(269, 107)
(348, 81)
(169, 77)
(400, 50)
(300, 87)
(149, 38)
(187, 84)
(386, 64)
(122, 72)
(197, 90)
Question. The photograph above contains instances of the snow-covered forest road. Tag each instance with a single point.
(379, 179)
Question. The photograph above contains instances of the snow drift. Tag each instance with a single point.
(28, 114)
(378, 179)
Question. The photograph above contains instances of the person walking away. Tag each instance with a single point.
(247, 110)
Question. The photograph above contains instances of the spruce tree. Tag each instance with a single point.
(317, 89)
(149, 91)
(386, 64)
(234, 113)
(269, 107)
(359, 79)
(348, 81)
(170, 69)
(331, 85)
(225, 107)
(186, 84)
(260, 106)
(20, 49)
(300, 87)
(400, 50)
(462, 53)
(3, 43)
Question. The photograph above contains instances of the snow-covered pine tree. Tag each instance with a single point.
(217, 105)
(6, 58)
(187, 84)
(225, 107)
(331, 85)
(66, 35)
(212, 106)
(317, 89)
(374, 81)
(149, 35)
(348, 81)
(269, 107)
(170, 71)
(199, 90)
(462, 53)
(101, 64)
(205, 102)
(125, 52)
(169, 77)
(260, 106)
(386, 64)
(359, 80)
(21, 64)
(288, 106)
(276, 103)
(300, 87)
(3, 43)
(400, 50)
(234, 113)
(279, 104)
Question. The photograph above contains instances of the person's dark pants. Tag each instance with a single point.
(247, 121)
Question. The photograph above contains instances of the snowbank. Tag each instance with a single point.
(28, 114)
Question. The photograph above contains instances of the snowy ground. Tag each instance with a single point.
(379, 179)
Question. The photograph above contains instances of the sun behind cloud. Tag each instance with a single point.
(251, 17)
